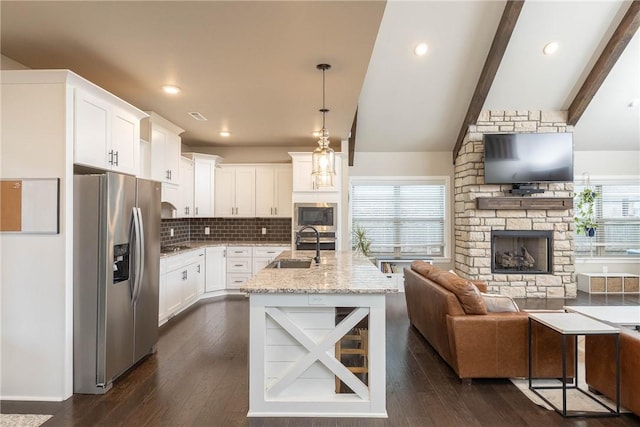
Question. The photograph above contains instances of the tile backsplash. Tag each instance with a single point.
(225, 230)
(180, 231)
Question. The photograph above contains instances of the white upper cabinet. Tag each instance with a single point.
(185, 209)
(235, 189)
(302, 168)
(106, 136)
(204, 170)
(274, 184)
(165, 148)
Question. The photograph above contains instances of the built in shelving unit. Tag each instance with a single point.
(609, 283)
(393, 268)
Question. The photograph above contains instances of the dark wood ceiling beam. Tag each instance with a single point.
(612, 51)
(496, 52)
(352, 138)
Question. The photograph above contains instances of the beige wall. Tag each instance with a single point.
(606, 163)
(7, 63)
(437, 163)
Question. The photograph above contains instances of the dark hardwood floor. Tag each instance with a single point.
(199, 378)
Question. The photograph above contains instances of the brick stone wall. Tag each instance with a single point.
(473, 226)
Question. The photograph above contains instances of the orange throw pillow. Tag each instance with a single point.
(422, 268)
(466, 292)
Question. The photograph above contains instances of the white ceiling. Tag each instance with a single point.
(249, 67)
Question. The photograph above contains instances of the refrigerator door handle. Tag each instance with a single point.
(133, 254)
(140, 259)
(136, 255)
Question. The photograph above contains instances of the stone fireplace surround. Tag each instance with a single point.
(473, 224)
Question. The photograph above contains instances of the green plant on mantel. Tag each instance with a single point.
(585, 211)
(361, 243)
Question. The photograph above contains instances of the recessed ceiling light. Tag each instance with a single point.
(171, 89)
(225, 133)
(421, 49)
(550, 48)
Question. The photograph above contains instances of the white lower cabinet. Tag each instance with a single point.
(216, 268)
(264, 255)
(245, 261)
(186, 276)
(174, 290)
(162, 292)
(238, 266)
(182, 278)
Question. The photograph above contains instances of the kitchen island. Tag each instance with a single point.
(293, 370)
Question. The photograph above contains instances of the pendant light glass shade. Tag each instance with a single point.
(323, 157)
(323, 162)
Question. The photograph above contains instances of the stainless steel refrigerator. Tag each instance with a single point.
(116, 276)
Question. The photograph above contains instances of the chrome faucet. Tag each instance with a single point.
(317, 257)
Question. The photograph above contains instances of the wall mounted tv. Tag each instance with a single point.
(522, 158)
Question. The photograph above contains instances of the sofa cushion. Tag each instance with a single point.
(422, 268)
(466, 292)
(481, 285)
(499, 303)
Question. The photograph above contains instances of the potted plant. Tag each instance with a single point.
(361, 243)
(585, 212)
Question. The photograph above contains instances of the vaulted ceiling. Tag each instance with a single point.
(249, 67)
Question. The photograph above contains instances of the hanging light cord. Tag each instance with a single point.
(324, 110)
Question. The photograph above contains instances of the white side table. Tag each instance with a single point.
(573, 325)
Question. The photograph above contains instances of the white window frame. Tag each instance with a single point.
(411, 180)
(595, 180)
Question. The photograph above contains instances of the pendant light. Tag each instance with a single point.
(323, 157)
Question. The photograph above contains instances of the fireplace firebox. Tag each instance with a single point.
(521, 251)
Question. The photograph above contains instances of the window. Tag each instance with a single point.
(618, 218)
(401, 217)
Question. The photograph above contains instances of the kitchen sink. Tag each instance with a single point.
(290, 263)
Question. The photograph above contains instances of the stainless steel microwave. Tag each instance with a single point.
(322, 216)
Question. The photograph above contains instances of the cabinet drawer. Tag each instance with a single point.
(236, 280)
(174, 262)
(268, 252)
(239, 251)
(238, 265)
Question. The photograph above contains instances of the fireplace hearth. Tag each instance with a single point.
(521, 251)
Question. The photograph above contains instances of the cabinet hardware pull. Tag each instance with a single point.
(111, 157)
(196, 210)
(198, 268)
(276, 209)
(115, 156)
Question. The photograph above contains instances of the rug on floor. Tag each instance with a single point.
(23, 420)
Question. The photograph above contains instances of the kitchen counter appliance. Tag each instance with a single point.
(321, 216)
(116, 276)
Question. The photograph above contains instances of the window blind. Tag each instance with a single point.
(401, 217)
(617, 212)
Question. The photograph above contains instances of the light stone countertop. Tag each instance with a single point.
(189, 246)
(337, 273)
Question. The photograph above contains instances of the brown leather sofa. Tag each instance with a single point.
(452, 317)
(600, 367)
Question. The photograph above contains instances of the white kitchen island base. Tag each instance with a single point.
(292, 367)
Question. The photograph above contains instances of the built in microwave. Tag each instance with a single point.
(322, 216)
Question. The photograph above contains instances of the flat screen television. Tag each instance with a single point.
(522, 158)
